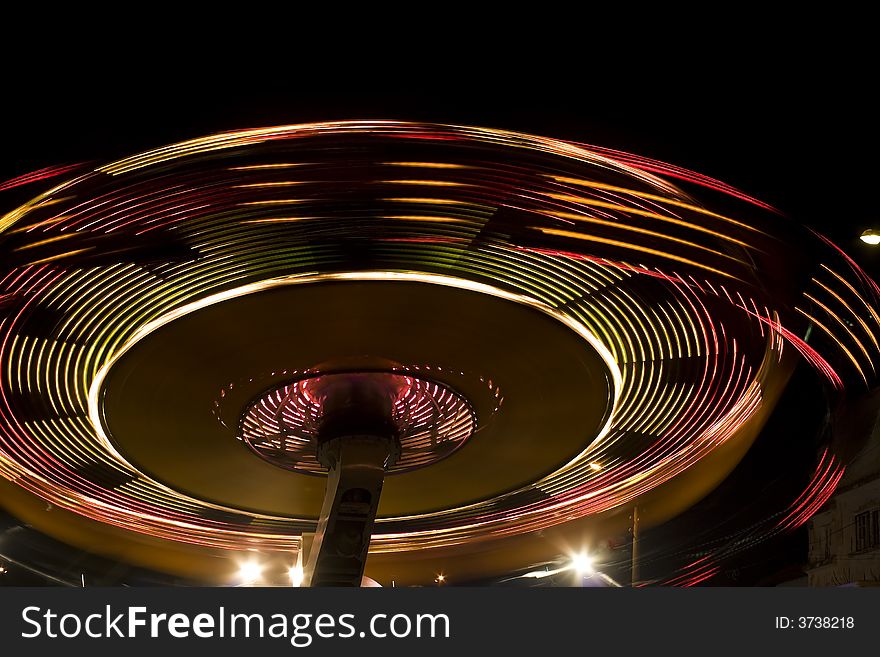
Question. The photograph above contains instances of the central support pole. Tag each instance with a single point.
(357, 442)
(339, 549)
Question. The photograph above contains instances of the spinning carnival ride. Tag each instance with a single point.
(495, 344)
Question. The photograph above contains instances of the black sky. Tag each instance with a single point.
(801, 135)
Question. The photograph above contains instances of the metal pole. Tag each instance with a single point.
(338, 551)
(635, 546)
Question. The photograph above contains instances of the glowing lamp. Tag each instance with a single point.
(871, 237)
(249, 572)
(296, 575)
(582, 564)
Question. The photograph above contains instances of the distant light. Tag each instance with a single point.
(249, 572)
(296, 575)
(595, 466)
(440, 579)
(582, 564)
(2, 569)
(871, 236)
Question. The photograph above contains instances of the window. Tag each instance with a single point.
(867, 530)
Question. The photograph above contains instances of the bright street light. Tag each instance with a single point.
(249, 572)
(582, 564)
(871, 236)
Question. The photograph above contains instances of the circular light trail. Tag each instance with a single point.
(282, 426)
(697, 298)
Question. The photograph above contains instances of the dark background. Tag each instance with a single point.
(796, 128)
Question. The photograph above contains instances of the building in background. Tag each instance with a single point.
(845, 535)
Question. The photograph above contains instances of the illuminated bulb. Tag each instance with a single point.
(582, 564)
(249, 572)
(871, 236)
(296, 575)
(440, 579)
(595, 466)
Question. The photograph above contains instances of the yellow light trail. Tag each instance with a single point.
(61, 256)
(655, 197)
(627, 245)
(651, 215)
(840, 344)
(618, 225)
(48, 240)
(428, 165)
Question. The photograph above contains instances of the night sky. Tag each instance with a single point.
(799, 136)
(794, 133)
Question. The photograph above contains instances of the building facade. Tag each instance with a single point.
(845, 535)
